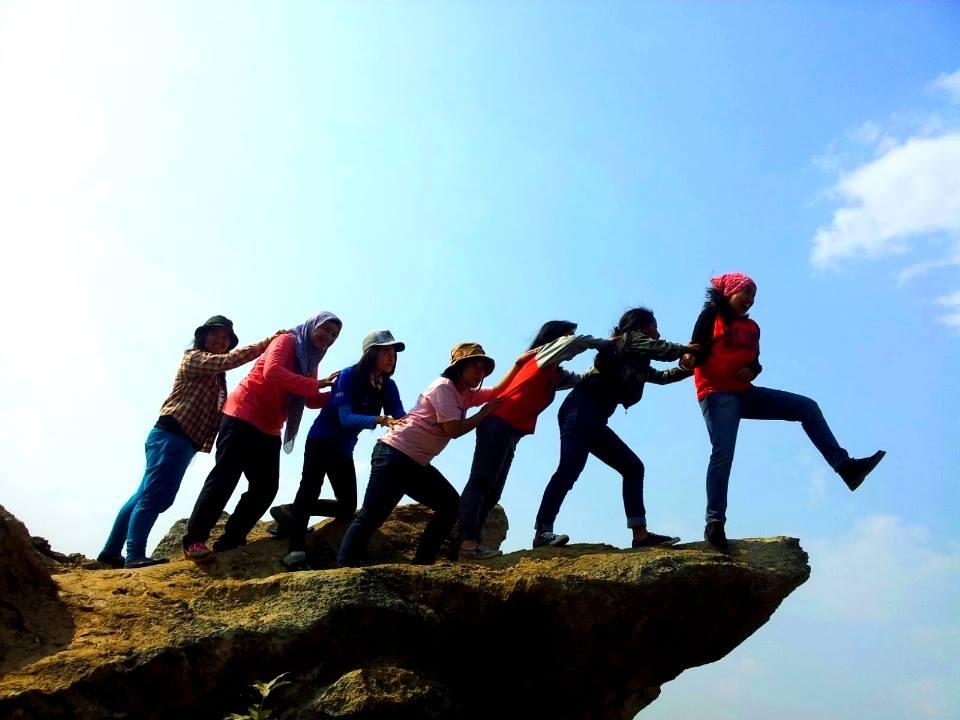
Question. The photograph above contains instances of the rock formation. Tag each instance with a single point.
(588, 631)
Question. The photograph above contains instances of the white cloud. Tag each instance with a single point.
(949, 83)
(952, 303)
(910, 191)
(882, 571)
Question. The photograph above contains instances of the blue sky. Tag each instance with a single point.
(470, 170)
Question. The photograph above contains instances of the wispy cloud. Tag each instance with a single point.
(898, 193)
(950, 84)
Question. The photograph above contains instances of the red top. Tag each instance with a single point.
(734, 347)
(261, 397)
(529, 393)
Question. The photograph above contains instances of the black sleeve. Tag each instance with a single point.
(703, 333)
(665, 377)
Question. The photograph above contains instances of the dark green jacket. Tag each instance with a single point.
(621, 370)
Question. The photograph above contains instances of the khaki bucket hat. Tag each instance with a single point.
(468, 351)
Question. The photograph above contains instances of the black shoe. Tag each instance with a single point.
(296, 561)
(713, 533)
(225, 543)
(856, 470)
(145, 562)
(653, 540)
(114, 561)
(283, 516)
(547, 537)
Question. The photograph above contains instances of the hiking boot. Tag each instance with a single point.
(114, 561)
(713, 533)
(654, 540)
(480, 552)
(283, 516)
(145, 562)
(198, 552)
(296, 561)
(224, 543)
(855, 470)
(542, 539)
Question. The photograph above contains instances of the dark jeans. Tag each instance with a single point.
(496, 442)
(393, 475)
(322, 457)
(584, 431)
(241, 449)
(722, 412)
(168, 456)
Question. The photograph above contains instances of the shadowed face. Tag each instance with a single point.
(325, 335)
(472, 372)
(386, 360)
(742, 301)
(217, 340)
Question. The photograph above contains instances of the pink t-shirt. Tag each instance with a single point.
(420, 436)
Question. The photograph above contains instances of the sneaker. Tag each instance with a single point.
(145, 562)
(856, 470)
(283, 516)
(550, 538)
(296, 561)
(198, 552)
(114, 561)
(480, 552)
(654, 540)
(224, 543)
(713, 533)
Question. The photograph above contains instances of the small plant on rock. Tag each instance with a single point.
(259, 712)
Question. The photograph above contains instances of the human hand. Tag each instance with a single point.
(688, 361)
(746, 374)
(328, 380)
(387, 421)
(491, 406)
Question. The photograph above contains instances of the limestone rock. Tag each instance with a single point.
(588, 631)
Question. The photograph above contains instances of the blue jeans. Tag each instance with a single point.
(496, 442)
(168, 455)
(584, 431)
(393, 475)
(722, 412)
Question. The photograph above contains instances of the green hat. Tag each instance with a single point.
(216, 321)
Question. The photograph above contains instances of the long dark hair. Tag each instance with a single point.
(551, 331)
(716, 299)
(636, 318)
(364, 371)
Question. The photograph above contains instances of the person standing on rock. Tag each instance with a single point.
(187, 425)
(278, 387)
(401, 460)
(726, 361)
(618, 376)
(529, 393)
(362, 391)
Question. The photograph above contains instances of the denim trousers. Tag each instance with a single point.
(393, 475)
(496, 442)
(321, 458)
(168, 456)
(584, 431)
(241, 449)
(722, 412)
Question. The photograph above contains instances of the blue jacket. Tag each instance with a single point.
(342, 419)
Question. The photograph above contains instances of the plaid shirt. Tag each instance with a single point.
(200, 389)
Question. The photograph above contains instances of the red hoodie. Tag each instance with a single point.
(735, 345)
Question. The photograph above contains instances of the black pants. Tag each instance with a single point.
(241, 449)
(393, 475)
(584, 432)
(496, 442)
(323, 458)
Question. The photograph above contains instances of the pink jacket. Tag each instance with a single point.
(261, 397)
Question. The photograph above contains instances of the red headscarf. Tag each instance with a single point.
(732, 283)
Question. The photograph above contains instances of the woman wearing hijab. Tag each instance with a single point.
(281, 383)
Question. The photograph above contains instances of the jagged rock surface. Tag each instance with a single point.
(588, 631)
